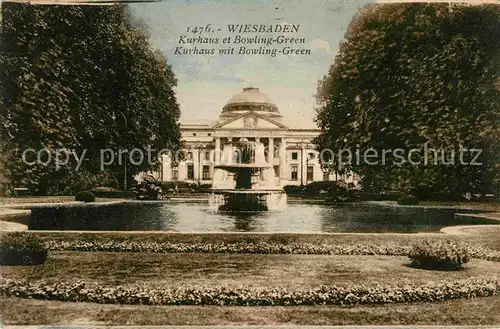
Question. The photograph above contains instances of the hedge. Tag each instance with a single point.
(408, 200)
(85, 196)
(251, 248)
(250, 296)
(18, 248)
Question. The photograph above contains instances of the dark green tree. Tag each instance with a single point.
(82, 78)
(410, 74)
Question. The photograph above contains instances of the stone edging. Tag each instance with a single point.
(14, 219)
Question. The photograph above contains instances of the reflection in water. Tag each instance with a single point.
(197, 217)
(244, 222)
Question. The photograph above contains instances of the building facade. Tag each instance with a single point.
(252, 115)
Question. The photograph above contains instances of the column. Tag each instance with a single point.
(303, 165)
(217, 153)
(166, 167)
(196, 164)
(283, 169)
(270, 151)
(182, 174)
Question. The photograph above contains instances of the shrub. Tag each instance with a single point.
(369, 196)
(205, 188)
(21, 249)
(293, 189)
(408, 200)
(315, 188)
(110, 192)
(103, 189)
(85, 196)
(71, 183)
(339, 194)
(148, 189)
(439, 255)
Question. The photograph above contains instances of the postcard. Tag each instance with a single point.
(251, 163)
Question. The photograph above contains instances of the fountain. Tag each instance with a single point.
(244, 181)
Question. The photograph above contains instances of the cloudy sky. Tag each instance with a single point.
(207, 82)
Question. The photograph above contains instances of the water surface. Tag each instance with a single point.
(197, 217)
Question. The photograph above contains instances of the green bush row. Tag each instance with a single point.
(250, 296)
(250, 248)
(408, 200)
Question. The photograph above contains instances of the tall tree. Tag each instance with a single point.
(83, 78)
(410, 74)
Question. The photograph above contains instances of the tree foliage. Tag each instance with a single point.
(410, 74)
(81, 77)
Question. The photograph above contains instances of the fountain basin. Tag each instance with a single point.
(245, 181)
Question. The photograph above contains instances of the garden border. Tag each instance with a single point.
(251, 296)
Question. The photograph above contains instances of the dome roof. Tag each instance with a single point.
(250, 99)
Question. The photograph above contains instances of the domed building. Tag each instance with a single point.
(250, 99)
(249, 114)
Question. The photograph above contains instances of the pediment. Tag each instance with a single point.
(250, 120)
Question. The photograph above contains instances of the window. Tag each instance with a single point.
(294, 172)
(326, 176)
(189, 156)
(190, 171)
(209, 134)
(295, 155)
(310, 173)
(175, 173)
(206, 173)
(207, 155)
(194, 134)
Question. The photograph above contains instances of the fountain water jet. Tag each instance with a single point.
(245, 181)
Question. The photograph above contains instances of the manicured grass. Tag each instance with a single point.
(487, 206)
(291, 271)
(479, 311)
(486, 236)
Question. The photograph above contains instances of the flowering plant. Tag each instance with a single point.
(250, 296)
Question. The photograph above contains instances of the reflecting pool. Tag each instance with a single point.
(297, 217)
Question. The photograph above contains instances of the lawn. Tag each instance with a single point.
(294, 271)
(486, 206)
(156, 270)
(487, 236)
(479, 311)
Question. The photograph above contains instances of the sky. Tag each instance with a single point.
(207, 82)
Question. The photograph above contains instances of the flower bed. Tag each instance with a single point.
(233, 248)
(250, 296)
(250, 248)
